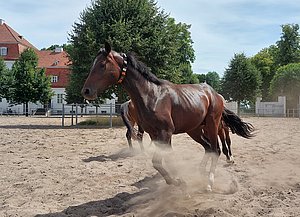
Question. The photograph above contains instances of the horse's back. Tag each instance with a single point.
(191, 103)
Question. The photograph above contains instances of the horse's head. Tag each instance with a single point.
(109, 68)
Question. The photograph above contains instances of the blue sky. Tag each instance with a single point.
(219, 29)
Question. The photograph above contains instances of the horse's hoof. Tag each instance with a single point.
(179, 182)
(209, 188)
(230, 160)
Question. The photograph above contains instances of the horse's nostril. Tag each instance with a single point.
(87, 91)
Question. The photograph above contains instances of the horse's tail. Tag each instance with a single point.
(236, 124)
(124, 114)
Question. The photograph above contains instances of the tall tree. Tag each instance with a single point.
(286, 82)
(30, 83)
(289, 45)
(140, 26)
(6, 81)
(264, 62)
(241, 81)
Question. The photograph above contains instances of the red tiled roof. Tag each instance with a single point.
(56, 63)
(8, 35)
(53, 59)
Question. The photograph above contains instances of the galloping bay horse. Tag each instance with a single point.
(164, 108)
(129, 117)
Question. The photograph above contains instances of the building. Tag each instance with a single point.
(56, 64)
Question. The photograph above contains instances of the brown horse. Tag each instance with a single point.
(164, 108)
(224, 136)
(129, 117)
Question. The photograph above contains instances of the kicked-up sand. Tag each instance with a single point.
(50, 171)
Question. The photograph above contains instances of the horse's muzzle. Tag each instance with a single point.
(88, 94)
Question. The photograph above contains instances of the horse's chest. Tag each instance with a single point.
(152, 122)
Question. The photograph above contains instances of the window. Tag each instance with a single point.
(60, 98)
(54, 78)
(3, 51)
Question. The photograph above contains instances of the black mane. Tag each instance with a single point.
(142, 69)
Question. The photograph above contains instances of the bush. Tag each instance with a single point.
(103, 121)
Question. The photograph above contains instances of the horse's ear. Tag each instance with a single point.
(107, 47)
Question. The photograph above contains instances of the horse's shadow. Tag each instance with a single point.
(122, 154)
(120, 204)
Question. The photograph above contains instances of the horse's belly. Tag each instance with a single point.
(186, 124)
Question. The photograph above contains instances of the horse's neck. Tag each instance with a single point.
(139, 89)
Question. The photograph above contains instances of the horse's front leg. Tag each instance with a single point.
(140, 137)
(163, 144)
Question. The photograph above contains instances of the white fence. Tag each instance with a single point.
(76, 110)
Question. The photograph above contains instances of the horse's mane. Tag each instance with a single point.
(142, 69)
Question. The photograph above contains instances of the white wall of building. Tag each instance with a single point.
(9, 63)
(271, 108)
(17, 109)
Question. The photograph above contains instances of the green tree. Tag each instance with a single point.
(30, 83)
(140, 26)
(241, 81)
(213, 79)
(6, 80)
(286, 82)
(66, 47)
(264, 62)
(288, 45)
(201, 78)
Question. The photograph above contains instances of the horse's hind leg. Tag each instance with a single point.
(128, 136)
(228, 141)
(140, 137)
(225, 150)
(211, 131)
(198, 136)
(207, 155)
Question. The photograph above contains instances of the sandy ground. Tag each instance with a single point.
(48, 171)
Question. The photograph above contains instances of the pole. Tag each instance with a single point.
(76, 114)
(72, 115)
(63, 116)
(110, 119)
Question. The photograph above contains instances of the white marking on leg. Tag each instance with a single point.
(204, 162)
(231, 160)
(211, 181)
(213, 166)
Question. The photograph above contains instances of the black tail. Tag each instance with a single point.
(236, 124)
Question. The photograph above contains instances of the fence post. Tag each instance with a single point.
(72, 115)
(110, 111)
(76, 114)
(63, 116)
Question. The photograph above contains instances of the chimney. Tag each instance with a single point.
(58, 50)
(2, 21)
